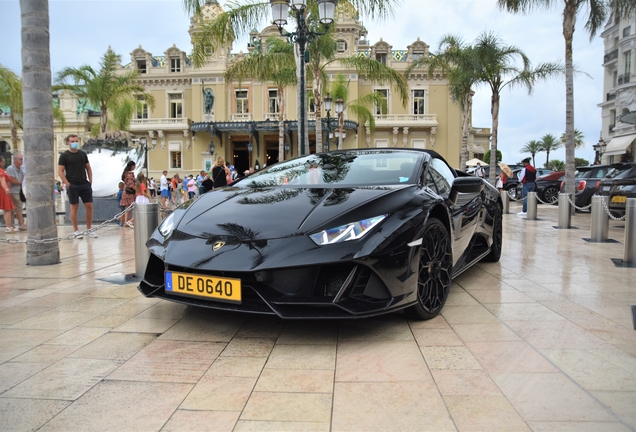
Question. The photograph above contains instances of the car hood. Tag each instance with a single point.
(270, 213)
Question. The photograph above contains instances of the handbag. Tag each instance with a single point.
(22, 197)
(130, 191)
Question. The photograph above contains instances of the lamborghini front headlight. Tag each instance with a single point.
(350, 231)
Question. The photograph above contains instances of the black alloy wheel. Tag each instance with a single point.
(551, 194)
(435, 271)
(497, 236)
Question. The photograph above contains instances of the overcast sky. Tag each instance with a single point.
(81, 32)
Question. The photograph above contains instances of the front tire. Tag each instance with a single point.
(435, 271)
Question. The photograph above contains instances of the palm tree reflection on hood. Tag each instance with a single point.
(236, 236)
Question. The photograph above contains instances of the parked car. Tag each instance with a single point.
(513, 185)
(547, 186)
(587, 180)
(617, 186)
(345, 234)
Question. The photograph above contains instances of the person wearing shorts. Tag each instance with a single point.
(163, 185)
(75, 172)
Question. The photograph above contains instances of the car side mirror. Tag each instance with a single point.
(467, 185)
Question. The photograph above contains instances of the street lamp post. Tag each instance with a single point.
(302, 35)
(328, 101)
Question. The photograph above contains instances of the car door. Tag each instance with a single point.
(466, 211)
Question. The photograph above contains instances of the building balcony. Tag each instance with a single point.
(612, 55)
(407, 120)
(166, 124)
(242, 117)
(623, 79)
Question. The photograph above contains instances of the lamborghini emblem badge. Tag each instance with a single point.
(218, 245)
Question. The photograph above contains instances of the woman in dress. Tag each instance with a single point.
(128, 177)
(141, 191)
(6, 203)
(220, 173)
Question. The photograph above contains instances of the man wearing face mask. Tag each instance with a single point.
(75, 172)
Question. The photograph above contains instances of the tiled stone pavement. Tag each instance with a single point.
(541, 341)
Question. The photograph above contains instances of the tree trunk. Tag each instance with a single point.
(318, 104)
(103, 119)
(494, 107)
(38, 132)
(14, 130)
(569, 21)
(467, 107)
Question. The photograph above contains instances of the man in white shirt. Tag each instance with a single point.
(163, 185)
(479, 171)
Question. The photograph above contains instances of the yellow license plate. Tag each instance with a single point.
(619, 199)
(225, 289)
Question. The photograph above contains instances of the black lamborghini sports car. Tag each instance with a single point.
(345, 234)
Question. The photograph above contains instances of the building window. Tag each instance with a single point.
(176, 105)
(381, 57)
(382, 108)
(628, 63)
(142, 108)
(418, 56)
(627, 31)
(175, 155)
(175, 65)
(418, 143)
(341, 46)
(242, 103)
(141, 66)
(272, 99)
(419, 101)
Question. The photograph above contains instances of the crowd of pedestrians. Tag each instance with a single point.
(76, 178)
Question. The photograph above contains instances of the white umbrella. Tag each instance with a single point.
(473, 162)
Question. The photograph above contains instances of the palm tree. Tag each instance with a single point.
(323, 54)
(360, 108)
(11, 97)
(578, 139)
(275, 63)
(497, 69)
(597, 13)
(104, 88)
(533, 147)
(240, 17)
(38, 132)
(548, 143)
(457, 60)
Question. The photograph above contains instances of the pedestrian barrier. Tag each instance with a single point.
(565, 213)
(505, 199)
(629, 257)
(531, 206)
(146, 221)
(599, 224)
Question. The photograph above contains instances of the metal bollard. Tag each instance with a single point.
(532, 206)
(505, 199)
(564, 211)
(146, 221)
(630, 231)
(599, 225)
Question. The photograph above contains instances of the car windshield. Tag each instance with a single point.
(372, 167)
(621, 172)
